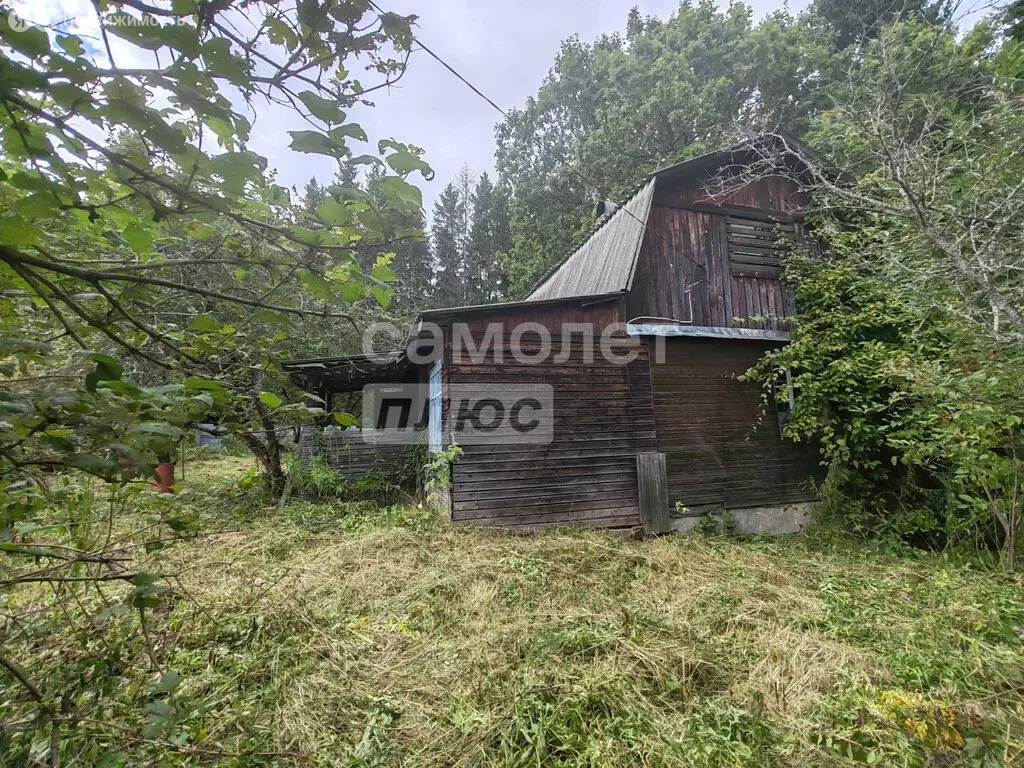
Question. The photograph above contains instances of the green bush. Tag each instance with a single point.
(918, 418)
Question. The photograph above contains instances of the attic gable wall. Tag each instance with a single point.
(684, 273)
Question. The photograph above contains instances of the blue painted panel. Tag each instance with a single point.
(434, 426)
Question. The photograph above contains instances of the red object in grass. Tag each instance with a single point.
(164, 477)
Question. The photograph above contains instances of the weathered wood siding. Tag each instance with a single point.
(347, 453)
(652, 486)
(603, 417)
(686, 251)
(722, 444)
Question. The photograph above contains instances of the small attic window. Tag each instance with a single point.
(756, 246)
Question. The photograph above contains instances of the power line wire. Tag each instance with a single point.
(506, 115)
(621, 206)
(451, 69)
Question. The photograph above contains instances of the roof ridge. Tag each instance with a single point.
(748, 143)
(609, 254)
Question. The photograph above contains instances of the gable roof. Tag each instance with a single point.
(604, 262)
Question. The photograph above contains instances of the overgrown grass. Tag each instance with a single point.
(345, 635)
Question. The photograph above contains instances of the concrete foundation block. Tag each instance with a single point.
(784, 518)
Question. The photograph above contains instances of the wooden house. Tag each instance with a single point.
(689, 279)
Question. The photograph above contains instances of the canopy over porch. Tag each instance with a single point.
(328, 375)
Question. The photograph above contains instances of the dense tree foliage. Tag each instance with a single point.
(470, 237)
(178, 214)
(153, 272)
(908, 353)
(450, 239)
(859, 20)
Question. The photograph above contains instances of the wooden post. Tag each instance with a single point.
(652, 490)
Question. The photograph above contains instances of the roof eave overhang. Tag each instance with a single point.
(706, 332)
(451, 313)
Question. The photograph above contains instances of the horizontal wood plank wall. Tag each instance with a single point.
(603, 417)
(722, 445)
(689, 248)
(348, 454)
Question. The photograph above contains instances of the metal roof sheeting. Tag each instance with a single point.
(442, 314)
(705, 332)
(604, 262)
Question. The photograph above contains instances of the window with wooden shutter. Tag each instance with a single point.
(757, 245)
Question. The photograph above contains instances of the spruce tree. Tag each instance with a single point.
(488, 241)
(313, 195)
(447, 242)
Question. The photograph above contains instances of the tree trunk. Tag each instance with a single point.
(264, 443)
(1011, 529)
(268, 457)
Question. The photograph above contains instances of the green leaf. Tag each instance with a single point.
(149, 122)
(400, 193)
(317, 286)
(147, 32)
(364, 160)
(107, 369)
(15, 230)
(222, 127)
(37, 205)
(221, 62)
(312, 142)
(90, 462)
(278, 32)
(39, 551)
(158, 428)
(308, 236)
(147, 592)
(238, 167)
(71, 44)
(139, 237)
(72, 97)
(58, 442)
(169, 680)
(34, 182)
(125, 388)
(383, 295)
(195, 384)
(29, 141)
(270, 400)
(24, 38)
(382, 273)
(204, 323)
(280, 195)
(333, 213)
(324, 109)
(405, 162)
(349, 130)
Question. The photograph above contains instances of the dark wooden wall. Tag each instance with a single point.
(722, 445)
(603, 418)
(348, 454)
(686, 245)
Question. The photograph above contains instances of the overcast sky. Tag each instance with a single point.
(504, 48)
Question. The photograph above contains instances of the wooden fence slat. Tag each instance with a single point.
(652, 489)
